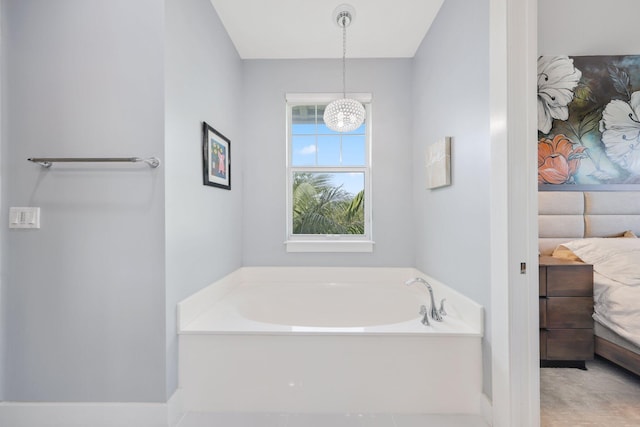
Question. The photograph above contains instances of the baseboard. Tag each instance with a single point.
(175, 408)
(486, 409)
(94, 414)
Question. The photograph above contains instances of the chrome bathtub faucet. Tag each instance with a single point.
(433, 311)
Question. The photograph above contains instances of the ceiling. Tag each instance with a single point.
(279, 29)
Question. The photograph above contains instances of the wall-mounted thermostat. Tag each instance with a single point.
(26, 217)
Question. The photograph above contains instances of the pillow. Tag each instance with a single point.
(627, 233)
(565, 253)
(617, 259)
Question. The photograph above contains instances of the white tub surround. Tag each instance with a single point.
(280, 339)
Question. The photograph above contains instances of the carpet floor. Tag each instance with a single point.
(603, 395)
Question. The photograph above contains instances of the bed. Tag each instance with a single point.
(573, 224)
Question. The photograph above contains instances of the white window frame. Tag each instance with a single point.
(329, 242)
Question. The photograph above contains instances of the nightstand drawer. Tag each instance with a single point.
(569, 344)
(569, 281)
(569, 312)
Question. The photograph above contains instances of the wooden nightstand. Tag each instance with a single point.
(566, 306)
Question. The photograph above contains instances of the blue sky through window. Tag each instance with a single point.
(314, 144)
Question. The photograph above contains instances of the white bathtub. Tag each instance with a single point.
(328, 340)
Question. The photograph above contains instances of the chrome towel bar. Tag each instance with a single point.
(48, 161)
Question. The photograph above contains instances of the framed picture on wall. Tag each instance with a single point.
(439, 163)
(589, 123)
(216, 158)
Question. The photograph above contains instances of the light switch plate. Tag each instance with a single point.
(24, 217)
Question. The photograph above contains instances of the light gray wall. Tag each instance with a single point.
(2, 208)
(579, 27)
(203, 224)
(451, 98)
(265, 84)
(85, 294)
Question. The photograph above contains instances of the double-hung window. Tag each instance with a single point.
(328, 179)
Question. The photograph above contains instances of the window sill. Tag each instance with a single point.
(329, 246)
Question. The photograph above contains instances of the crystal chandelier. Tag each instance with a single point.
(344, 115)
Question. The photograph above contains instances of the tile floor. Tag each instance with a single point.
(207, 419)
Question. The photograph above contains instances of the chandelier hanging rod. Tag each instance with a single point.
(346, 114)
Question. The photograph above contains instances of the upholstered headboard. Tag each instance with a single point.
(570, 215)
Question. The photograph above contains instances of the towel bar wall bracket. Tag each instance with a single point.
(46, 162)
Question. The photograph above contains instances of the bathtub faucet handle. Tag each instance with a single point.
(425, 315)
(442, 311)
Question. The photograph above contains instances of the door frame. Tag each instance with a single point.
(514, 230)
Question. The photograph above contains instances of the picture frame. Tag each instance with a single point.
(588, 123)
(438, 165)
(216, 158)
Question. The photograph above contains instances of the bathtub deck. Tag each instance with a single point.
(201, 313)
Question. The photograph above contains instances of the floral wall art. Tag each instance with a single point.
(588, 122)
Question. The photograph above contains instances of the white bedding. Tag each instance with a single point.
(617, 307)
(616, 263)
